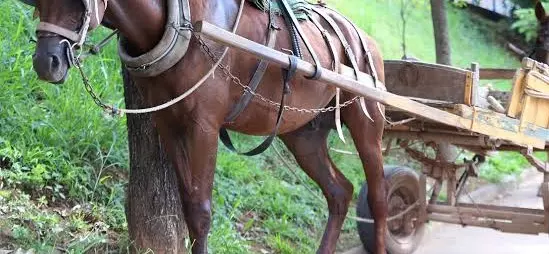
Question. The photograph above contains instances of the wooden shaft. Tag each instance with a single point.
(366, 88)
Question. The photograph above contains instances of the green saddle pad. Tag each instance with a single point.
(300, 8)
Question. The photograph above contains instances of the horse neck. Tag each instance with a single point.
(142, 22)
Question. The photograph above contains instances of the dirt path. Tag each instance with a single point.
(453, 239)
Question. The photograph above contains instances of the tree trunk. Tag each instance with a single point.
(440, 26)
(445, 151)
(153, 210)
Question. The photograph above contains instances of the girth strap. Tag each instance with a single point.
(224, 135)
(256, 78)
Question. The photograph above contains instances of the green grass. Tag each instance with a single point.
(63, 163)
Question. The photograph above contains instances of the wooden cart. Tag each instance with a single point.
(524, 110)
(441, 104)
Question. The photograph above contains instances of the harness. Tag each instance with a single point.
(174, 45)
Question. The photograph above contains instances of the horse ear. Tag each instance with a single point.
(540, 11)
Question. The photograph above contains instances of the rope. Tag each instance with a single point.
(536, 94)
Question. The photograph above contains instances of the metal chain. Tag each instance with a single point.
(237, 81)
(111, 109)
(207, 50)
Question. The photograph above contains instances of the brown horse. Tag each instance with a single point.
(189, 130)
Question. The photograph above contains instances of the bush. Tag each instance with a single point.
(526, 23)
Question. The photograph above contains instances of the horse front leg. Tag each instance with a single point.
(193, 150)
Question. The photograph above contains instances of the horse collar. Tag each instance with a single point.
(171, 48)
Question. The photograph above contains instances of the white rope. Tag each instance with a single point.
(179, 98)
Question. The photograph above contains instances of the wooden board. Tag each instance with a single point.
(429, 81)
(530, 108)
(495, 73)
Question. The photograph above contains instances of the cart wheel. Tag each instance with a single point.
(404, 234)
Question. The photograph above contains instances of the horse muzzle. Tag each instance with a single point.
(51, 60)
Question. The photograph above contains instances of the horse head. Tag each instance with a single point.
(62, 29)
(541, 51)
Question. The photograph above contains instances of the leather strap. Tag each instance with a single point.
(52, 28)
(348, 51)
(289, 13)
(224, 135)
(254, 82)
(364, 43)
(336, 66)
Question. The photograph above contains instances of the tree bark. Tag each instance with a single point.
(440, 26)
(445, 151)
(153, 210)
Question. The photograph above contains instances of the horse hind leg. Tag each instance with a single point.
(309, 146)
(367, 136)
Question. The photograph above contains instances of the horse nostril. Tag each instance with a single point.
(55, 62)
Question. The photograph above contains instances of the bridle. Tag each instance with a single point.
(76, 37)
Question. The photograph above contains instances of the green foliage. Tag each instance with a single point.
(459, 3)
(506, 163)
(526, 24)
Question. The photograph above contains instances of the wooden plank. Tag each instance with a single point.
(545, 195)
(542, 119)
(366, 88)
(536, 110)
(494, 213)
(537, 82)
(509, 227)
(426, 80)
(496, 73)
(515, 106)
(500, 121)
(503, 208)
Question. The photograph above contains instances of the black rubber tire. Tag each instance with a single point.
(396, 177)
